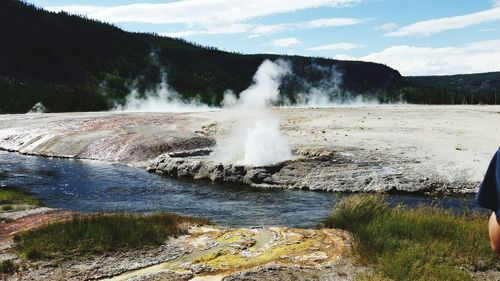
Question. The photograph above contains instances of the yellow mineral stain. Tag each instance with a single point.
(241, 249)
(208, 278)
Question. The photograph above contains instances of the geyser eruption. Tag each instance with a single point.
(265, 145)
(256, 139)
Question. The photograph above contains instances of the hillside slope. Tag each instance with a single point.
(70, 63)
(467, 88)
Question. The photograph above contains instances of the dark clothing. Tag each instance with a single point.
(489, 191)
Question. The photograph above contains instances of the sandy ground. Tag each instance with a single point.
(447, 139)
(452, 143)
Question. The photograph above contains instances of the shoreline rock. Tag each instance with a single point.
(312, 169)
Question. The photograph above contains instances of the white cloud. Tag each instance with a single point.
(496, 3)
(261, 30)
(183, 33)
(390, 26)
(286, 42)
(481, 56)
(344, 57)
(229, 29)
(207, 12)
(212, 16)
(331, 22)
(428, 27)
(318, 23)
(76, 9)
(336, 46)
(270, 29)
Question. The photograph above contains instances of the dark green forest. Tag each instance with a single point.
(480, 88)
(71, 63)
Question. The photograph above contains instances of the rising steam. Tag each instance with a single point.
(256, 138)
(38, 108)
(329, 92)
(162, 99)
(325, 92)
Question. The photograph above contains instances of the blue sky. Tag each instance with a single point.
(416, 37)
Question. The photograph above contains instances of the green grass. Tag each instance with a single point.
(427, 243)
(13, 196)
(100, 233)
(7, 207)
(8, 266)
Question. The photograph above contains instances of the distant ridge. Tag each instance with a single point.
(488, 81)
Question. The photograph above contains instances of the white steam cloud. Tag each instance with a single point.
(161, 99)
(38, 108)
(256, 138)
(328, 93)
(263, 93)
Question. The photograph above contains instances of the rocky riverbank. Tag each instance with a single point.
(343, 149)
(314, 169)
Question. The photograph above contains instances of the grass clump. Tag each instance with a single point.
(14, 196)
(100, 233)
(7, 207)
(8, 266)
(426, 243)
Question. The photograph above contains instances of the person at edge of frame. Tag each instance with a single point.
(489, 197)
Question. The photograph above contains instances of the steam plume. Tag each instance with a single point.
(38, 108)
(329, 92)
(256, 138)
(162, 99)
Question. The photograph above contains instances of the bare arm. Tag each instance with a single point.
(494, 230)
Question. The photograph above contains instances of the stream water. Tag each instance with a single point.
(92, 186)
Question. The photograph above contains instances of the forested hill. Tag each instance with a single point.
(70, 63)
(468, 88)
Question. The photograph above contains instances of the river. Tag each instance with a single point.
(94, 186)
